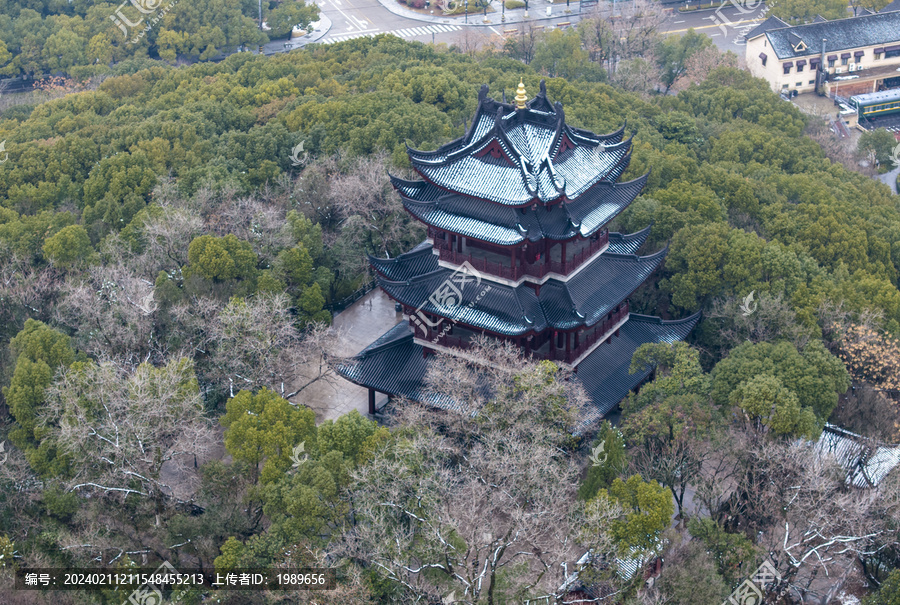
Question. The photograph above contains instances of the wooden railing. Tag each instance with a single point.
(539, 269)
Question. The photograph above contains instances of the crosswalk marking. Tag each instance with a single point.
(408, 32)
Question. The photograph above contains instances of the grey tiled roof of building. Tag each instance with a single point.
(583, 300)
(506, 225)
(841, 34)
(770, 23)
(893, 6)
(394, 364)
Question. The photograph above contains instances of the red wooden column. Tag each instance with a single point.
(563, 259)
(372, 401)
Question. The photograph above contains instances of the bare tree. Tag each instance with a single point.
(121, 425)
(111, 310)
(479, 500)
(699, 65)
(802, 510)
(634, 34)
(254, 344)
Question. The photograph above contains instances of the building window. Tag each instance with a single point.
(764, 61)
(877, 56)
(830, 62)
(844, 61)
(812, 81)
(784, 87)
(799, 68)
(787, 69)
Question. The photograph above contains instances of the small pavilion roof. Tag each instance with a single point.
(583, 300)
(507, 226)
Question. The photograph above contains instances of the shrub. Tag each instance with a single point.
(511, 4)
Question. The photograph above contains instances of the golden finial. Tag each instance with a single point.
(520, 96)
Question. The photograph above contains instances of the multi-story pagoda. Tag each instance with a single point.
(518, 249)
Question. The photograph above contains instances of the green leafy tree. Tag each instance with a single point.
(804, 11)
(69, 247)
(888, 593)
(290, 13)
(802, 385)
(559, 54)
(608, 460)
(878, 144)
(733, 553)
(221, 258)
(39, 352)
(263, 429)
(648, 512)
(675, 52)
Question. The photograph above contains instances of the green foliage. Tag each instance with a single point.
(221, 258)
(68, 247)
(648, 512)
(733, 553)
(888, 593)
(880, 144)
(263, 429)
(290, 13)
(7, 551)
(560, 55)
(690, 576)
(39, 352)
(675, 51)
(511, 4)
(608, 463)
(354, 436)
(796, 12)
(789, 390)
(59, 503)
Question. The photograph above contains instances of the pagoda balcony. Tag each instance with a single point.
(513, 266)
(565, 347)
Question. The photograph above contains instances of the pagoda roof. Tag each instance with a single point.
(422, 258)
(394, 364)
(516, 156)
(506, 225)
(604, 373)
(540, 111)
(584, 300)
(628, 244)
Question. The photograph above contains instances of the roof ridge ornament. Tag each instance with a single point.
(521, 97)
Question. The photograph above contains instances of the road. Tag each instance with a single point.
(356, 18)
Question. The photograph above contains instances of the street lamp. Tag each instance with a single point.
(503, 11)
(467, 11)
